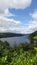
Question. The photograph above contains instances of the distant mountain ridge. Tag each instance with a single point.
(3, 35)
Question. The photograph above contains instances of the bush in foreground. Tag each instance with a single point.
(24, 54)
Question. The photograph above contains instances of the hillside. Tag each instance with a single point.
(34, 33)
(2, 35)
(33, 37)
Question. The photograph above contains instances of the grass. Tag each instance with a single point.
(35, 37)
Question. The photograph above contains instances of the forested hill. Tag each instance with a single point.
(34, 33)
(3, 35)
(33, 36)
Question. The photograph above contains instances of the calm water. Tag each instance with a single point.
(17, 40)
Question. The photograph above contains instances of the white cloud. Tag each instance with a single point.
(13, 30)
(2, 29)
(17, 4)
(6, 12)
(5, 22)
(10, 25)
(34, 14)
(24, 29)
(32, 26)
(33, 23)
(7, 25)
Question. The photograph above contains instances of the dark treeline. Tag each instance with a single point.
(3, 35)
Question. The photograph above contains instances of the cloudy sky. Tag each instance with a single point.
(18, 16)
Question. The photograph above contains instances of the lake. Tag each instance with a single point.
(17, 40)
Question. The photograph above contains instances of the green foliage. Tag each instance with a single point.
(24, 54)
